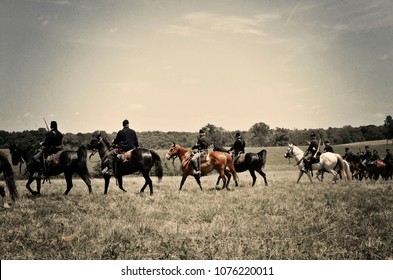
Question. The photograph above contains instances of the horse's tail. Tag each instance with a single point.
(157, 164)
(9, 177)
(82, 160)
(262, 155)
(344, 168)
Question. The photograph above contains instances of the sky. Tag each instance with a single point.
(179, 65)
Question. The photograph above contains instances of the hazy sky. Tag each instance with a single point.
(179, 65)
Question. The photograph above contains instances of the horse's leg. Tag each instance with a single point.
(224, 179)
(309, 175)
(218, 180)
(120, 182)
(2, 193)
(87, 181)
(38, 192)
(147, 182)
(300, 176)
(228, 174)
(264, 177)
(335, 175)
(28, 183)
(254, 178)
(68, 177)
(198, 179)
(183, 179)
(107, 178)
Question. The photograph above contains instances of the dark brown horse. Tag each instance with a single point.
(68, 162)
(253, 162)
(222, 162)
(140, 159)
(6, 169)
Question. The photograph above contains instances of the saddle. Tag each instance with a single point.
(377, 163)
(52, 159)
(125, 157)
(239, 159)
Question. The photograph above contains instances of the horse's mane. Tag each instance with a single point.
(106, 142)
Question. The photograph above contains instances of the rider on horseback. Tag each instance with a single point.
(51, 145)
(125, 140)
(238, 147)
(201, 146)
(309, 155)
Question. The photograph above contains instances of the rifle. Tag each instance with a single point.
(47, 127)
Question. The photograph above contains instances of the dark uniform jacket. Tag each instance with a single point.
(126, 139)
(202, 143)
(328, 149)
(238, 146)
(53, 141)
(313, 147)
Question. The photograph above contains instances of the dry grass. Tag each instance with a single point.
(282, 221)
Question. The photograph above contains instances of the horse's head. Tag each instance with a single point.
(94, 143)
(173, 151)
(289, 152)
(16, 154)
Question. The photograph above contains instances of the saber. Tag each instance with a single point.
(47, 127)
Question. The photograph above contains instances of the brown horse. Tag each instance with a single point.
(215, 161)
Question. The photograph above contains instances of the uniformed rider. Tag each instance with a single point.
(51, 145)
(200, 147)
(312, 149)
(238, 147)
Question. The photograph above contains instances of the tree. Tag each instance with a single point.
(260, 134)
(388, 124)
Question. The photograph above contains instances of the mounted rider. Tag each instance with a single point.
(201, 147)
(126, 140)
(310, 154)
(51, 145)
(237, 147)
(328, 147)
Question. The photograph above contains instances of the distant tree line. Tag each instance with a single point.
(260, 134)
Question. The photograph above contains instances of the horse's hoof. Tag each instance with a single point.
(6, 206)
(36, 193)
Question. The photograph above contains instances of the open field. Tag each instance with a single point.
(281, 221)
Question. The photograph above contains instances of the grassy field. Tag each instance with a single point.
(282, 221)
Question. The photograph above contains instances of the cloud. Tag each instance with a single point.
(204, 22)
(28, 115)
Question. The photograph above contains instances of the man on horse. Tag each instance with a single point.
(126, 139)
(238, 147)
(201, 147)
(310, 154)
(328, 147)
(51, 145)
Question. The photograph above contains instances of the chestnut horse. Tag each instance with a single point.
(215, 161)
(6, 169)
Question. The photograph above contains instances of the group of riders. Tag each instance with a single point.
(126, 140)
(360, 161)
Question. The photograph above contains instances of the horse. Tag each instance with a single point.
(373, 170)
(138, 159)
(6, 169)
(249, 161)
(219, 161)
(67, 162)
(327, 161)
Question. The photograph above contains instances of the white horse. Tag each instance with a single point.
(327, 162)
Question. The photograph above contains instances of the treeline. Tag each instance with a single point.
(259, 135)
